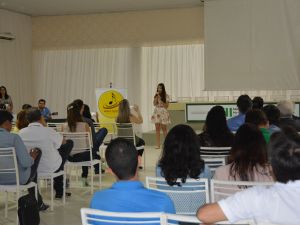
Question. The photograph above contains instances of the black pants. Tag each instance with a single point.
(64, 152)
(33, 177)
(139, 142)
(85, 156)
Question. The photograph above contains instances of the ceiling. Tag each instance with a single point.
(67, 7)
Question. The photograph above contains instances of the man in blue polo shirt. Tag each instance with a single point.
(244, 104)
(128, 194)
(44, 110)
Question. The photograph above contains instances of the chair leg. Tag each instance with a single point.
(18, 196)
(144, 159)
(100, 175)
(64, 188)
(6, 205)
(92, 181)
(52, 193)
(36, 192)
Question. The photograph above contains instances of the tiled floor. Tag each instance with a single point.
(70, 213)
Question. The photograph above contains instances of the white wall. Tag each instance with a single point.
(16, 58)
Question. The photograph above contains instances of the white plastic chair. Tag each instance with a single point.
(94, 216)
(125, 130)
(58, 127)
(51, 176)
(187, 198)
(214, 163)
(10, 155)
(214, 151)
(110, 126)
(83, 142)
(170, 219)
(222, 189)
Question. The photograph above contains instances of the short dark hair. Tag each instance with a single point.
(122, 157)
(42, 100)
(244, 103)
(285, 161)
(272, 113)
(257, 102)
(78, 102)
(256, 117)
(33, 115)
(26, 106)
(5, 116)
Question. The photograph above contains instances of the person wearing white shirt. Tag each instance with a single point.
(55, 150)
(279, 204)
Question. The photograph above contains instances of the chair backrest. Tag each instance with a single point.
(94, 216)
(222, 189)
(187, 198)
(82, 141)
(125, 130)
(56, 126)
(214, 163)
(11, 166)
(214, 151)
(180, 219)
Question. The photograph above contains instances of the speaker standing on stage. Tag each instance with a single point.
(160, 117)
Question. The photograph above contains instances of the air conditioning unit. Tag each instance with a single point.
(7, 36)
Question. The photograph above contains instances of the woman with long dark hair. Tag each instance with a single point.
(160, 117)
(248, 157)
(215, 131)
(134, 116)
(74, 124)
(180, 157)
(6, 99)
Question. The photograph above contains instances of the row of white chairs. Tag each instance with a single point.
(194, 193)
(94, 216)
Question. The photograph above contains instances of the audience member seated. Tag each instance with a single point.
(215, 131)
(6, 99)
(87, 113)
(244, 103)
(278, 204)
(128, 194)
(259, 119)
(98, 136)
(180, 157)
(257, 103)
(55, 150)
(248, 157)
(286, 115)
(27, 162)
(26, 107)
(125, 115)
(75, 124)
(273, 115)
(44, 110)
(22, 121)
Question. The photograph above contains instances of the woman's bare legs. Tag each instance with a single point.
(157, 129)
(164, 129)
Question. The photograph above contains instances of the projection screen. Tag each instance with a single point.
(252, 44)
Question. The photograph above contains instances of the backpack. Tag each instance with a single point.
(28, 210)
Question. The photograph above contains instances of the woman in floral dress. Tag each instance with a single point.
(160, 117)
